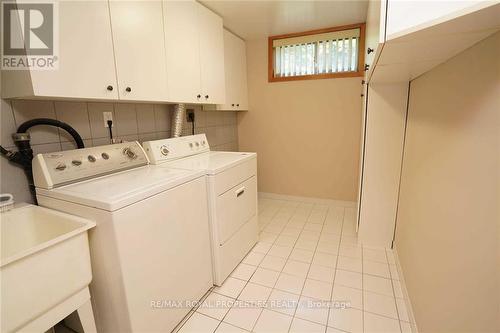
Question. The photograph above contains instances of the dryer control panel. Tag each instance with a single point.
(61, 168)
(165, 150)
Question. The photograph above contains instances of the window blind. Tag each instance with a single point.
(334, 52)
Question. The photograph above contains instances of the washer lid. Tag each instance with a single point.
(115, 191)
(212, 162)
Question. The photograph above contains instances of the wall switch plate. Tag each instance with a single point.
(107, 116)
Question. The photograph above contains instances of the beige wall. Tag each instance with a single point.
(141, 122)
(447, 233)
(306, 133)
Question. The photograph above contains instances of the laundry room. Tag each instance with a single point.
(250, 166)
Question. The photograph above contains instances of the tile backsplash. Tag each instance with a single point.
(140, 122)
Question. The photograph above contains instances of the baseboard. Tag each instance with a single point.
(341, 203)
(409, 307)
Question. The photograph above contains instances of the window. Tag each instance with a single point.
(318, 54)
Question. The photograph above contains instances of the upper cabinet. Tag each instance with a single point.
(157, 51)
(139, 47)
(86, 67)
(195, 53)
(413, 39)
(236, 73)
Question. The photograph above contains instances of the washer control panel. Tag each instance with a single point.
(60, 168)
(160, 151)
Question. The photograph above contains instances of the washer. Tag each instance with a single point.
(150, 250)
(232, 194)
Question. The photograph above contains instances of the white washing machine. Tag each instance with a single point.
(150, 250)
(232, 194)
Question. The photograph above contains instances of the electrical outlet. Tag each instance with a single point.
(190, 115)
(107, 116)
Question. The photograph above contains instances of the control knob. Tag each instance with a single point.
(164, 150)
(60, 166)
(76, 162)
(129, 153)
(91, 158)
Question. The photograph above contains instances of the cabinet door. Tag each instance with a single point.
(139, 50)
(183, 54)
(211, 56)
(241, 74)
(86, 64)
(230, 68)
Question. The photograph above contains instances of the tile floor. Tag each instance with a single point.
(308, 273)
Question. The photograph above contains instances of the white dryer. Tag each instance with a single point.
(232, 194)
(150, 250)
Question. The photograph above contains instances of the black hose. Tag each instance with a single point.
(23, 128)
(24, 156)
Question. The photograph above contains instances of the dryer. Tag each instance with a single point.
(150, 250)
(232, 194)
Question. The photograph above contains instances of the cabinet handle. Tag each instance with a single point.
(362, 95)
(370, 50)
(237, 105)
(198, 96)
(232, 104)
(128, 89)
(206, 96)
(367, 67)
(110, 88)
(240, 191)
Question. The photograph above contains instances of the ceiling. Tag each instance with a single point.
(259, 19)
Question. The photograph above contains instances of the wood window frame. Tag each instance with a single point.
(361, 54)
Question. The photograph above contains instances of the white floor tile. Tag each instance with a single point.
(262, 247)
(285, 240)
(301, 255)
(227, 328)
(376, 268)
(330, 248)
(312, 310)
(321, 273)
(272, 322)
(317, 289)
(273, 263)
(291, 231)
(283, 302)
(296, 268)
(324, 259)
(394, 272)
(199, 323)
(349, 279)
(254, 293)
(377, 255)
(304, 326)
(254, 258)
(313, 226)
(350, 264)
(350, 251)
(242, 317)
(231, 287)
(243, 271)
(305, 244)
(377, 284)
(333, 330)
(290, 283)
(379, 324)
(265, 277)
(380, 304)
(216, 306)
(398, 291)
(280, 251)
(266, 237)
(402, 310)
(344, 295)
(348, 319)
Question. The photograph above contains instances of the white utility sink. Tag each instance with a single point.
(45, 263)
